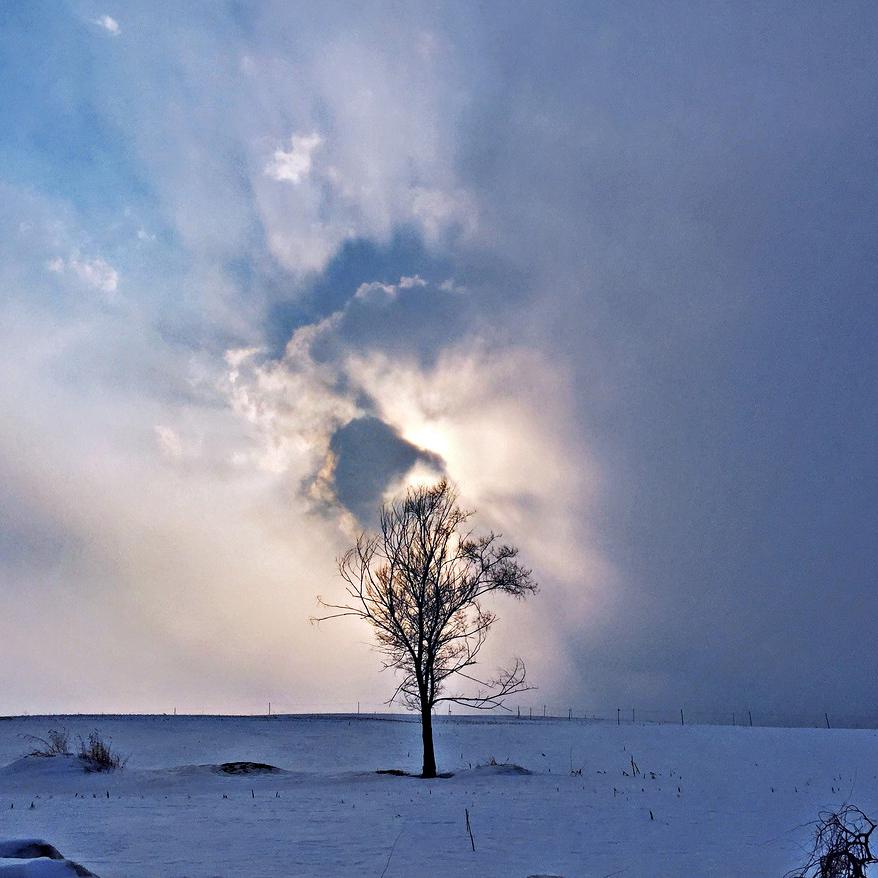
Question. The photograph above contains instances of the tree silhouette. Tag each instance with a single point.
(419, 582)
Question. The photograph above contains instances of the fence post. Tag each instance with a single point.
(826, 716)
(618, 716)
(681, 717)
(569, 713)
(632, 716)
(750, 714)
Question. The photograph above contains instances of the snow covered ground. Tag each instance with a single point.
(705, 801)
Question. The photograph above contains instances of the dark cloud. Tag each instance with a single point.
(700, 234)
(369, 457)
(356, 262)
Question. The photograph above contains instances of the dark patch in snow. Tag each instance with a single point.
(247, 768)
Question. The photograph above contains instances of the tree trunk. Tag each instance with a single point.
(427, 737)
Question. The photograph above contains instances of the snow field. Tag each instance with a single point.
(697, 800)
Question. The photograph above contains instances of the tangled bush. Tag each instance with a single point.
(94, 752)
(842, 846)
(56, 743)
(97, 754)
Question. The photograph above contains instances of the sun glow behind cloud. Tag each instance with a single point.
(498, 420)
(501, 423)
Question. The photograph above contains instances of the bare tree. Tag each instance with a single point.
(842, 846)
(420, 582)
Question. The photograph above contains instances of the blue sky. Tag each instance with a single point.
(611, 268)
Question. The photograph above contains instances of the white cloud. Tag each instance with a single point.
(376, 292)
(96, 273)
(306, 135)
(450, 286)
(438, 210)
(109, 24)
(387, 158)
(169, 442)
(146, 555)
(295, 165)
(292, 406)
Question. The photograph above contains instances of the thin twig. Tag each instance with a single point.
(390, 855)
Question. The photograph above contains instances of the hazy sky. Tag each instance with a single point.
(611, 267)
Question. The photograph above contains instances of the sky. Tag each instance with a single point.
(611, 268)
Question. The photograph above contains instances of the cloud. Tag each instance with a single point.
(96, 273)
(662, 286)
(354, 415)
(297, 403)
(438, 211)
(300, 141)
(110, 25)
(375, 291)
(140, 519)
(295, 165)
(366, 457)
(169, 442)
